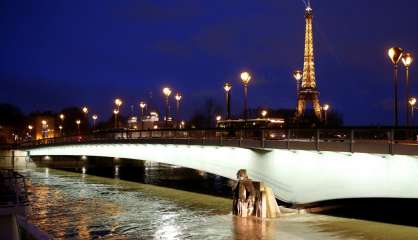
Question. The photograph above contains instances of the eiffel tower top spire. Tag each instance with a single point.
(308, 80)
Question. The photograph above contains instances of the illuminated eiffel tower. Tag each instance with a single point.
(308, 91)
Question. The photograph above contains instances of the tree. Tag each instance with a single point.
(12, 122)
(205, 116)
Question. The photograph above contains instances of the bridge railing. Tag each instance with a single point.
(368, 140)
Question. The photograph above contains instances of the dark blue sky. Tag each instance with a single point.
(63, 53)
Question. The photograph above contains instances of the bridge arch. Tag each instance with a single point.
(296, 176)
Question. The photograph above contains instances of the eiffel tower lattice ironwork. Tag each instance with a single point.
(308, 92)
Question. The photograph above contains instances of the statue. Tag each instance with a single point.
(253, 198)
(244, 195)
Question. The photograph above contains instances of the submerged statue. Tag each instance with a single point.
(253, 198)
(244, 195)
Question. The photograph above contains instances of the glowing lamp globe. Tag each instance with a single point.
(245, 77)
(407, 59)
(395, 54)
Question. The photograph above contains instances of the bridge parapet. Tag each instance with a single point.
(363, 140)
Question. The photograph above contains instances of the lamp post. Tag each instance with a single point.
(326, 108)
(60, 128)
(118, 103)
(115, 113)
(30, 127)
(62, 117)
(142, 105)
(395, 54)
(94, 117)
(227, 88)
(86, 115)
(245, 78)
(412, 101)
(297, 74)
(167, 93)
(178, 98)
(264, 113)
(407, 60)
(78, 121)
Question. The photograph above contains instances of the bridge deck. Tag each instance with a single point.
(379, 141)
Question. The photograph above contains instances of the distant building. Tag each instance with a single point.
(150, 121)
(44, 127)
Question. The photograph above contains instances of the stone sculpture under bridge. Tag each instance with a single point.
(253, 198)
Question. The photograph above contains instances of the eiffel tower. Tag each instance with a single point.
(308, 91)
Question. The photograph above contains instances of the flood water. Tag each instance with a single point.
(74, 204)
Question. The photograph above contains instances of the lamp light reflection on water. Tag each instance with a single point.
(116, 171)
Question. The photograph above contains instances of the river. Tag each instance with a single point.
(74, 204)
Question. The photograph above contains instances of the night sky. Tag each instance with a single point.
(56, 54)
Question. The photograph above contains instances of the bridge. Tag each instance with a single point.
(300, 165)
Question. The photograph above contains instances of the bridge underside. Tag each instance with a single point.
(295, 176)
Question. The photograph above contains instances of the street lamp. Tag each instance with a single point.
(412, 101)
(326, 108)
(95, 117)
(115, 113)
(245, 78)
(86, 114)
(407, 60)
(178, 98)
(297, 74)
(78, 121)
(60, 128)
(227, 88)
(167, 93)
(30, 127)
(395, 54)
(62, 116)
(118, 102)
(264, 113)
(142, 105)
(218, 118)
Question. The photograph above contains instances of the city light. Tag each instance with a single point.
(166, 91)
(395, 54)
(30, 127)
(407, 59)
(62, 117)
(44, 122)
(115, 111)
(94, 117)
(412, 101)
(85, 110)
(178, 97)
(264, 113)
(218, 118)
(298, 74)
(245, 77)
(227, 87)
(118, 102)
